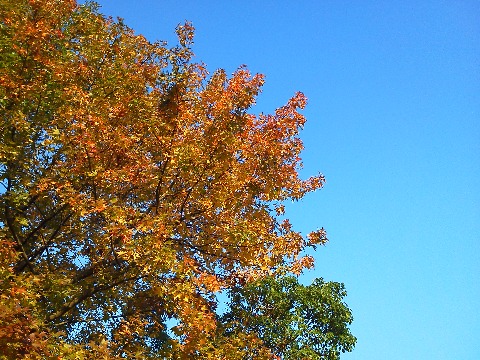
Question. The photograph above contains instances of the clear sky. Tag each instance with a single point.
(394, 125)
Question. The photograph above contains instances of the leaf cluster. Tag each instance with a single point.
(294, 321)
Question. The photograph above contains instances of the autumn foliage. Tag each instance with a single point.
(134, 186)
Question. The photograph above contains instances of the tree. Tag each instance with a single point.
(293, 321)
(135, 186)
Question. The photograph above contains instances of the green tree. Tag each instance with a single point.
(292, 320)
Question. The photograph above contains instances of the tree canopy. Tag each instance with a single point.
(293, 321)
(135, 186)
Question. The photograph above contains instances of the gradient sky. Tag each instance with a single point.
(393, 124)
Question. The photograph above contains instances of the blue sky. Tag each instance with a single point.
(393, 124)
